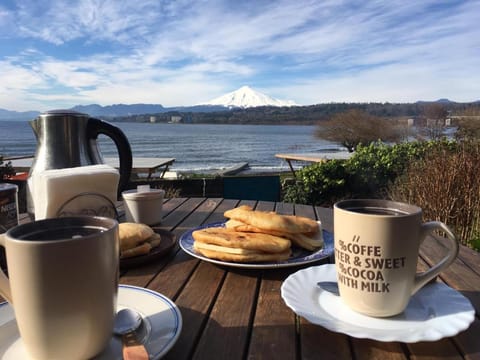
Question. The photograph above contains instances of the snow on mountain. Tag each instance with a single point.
(246, 97)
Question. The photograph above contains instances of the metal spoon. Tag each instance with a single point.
(127, 321)
(330, 286)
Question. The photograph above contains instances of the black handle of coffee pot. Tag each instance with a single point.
(97, 127)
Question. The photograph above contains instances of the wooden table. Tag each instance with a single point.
(312, 157)
(146, 165)
(231, 313)
(140, 165)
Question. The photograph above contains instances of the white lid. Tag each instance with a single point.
(150, 194)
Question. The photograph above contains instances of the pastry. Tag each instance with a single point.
(244, 240)
(272, 221)
(133, 234)
(137, 239)
(220, 253)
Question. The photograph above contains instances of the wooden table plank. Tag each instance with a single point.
(226, 332)
(470, 258)
(225, 205)
(325, 215)
(458, 275)
(468, 341)
(171, 205)
(305, 210)
(188, 209)
(195, 302)
(265, 206)
(315, 340)
(177, 273)
(442, 349)
(365, 349)
(284, 208)
(274, 331)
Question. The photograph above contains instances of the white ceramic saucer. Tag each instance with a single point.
(159, 332)
(434, 312)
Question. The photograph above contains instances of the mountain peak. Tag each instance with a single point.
(246, 97)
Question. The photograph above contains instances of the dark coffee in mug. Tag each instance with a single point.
(377, 211)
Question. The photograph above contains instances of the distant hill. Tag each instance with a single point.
(17, 115)
(444, 101)
(305, 115)
(196, 108)
(119, 109)
(241, 113)
(440, 101)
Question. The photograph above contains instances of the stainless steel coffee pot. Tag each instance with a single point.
(68, 138)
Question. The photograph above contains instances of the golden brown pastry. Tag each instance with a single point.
(242, 255)
(136, 251)
(137, 239)
(309, 241)
(154, 240)
(244, 240)
(227, 245)
(272, 221)
(133, 234)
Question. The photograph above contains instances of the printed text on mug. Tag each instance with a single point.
(360, 266)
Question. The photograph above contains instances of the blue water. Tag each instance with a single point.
(196, 148)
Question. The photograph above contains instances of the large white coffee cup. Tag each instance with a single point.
(62, 284)
(376, 252)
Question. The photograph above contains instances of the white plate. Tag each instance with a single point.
(434, 312)
(299, 256)
(159, 332)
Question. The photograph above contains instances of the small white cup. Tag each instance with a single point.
(143, 205)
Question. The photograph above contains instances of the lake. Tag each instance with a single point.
(198, 148)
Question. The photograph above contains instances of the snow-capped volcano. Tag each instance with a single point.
(246, 97)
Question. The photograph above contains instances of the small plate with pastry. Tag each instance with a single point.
(140, 243)
(258, 239)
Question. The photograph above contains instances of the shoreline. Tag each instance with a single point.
(183, 175)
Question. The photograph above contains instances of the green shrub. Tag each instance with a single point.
(368, 173)
(475, 242)
(319, 184)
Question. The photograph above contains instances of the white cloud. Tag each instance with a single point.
(185, 52)
(60, 21)
(391, 83)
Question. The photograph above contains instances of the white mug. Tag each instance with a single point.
(143, 205)
(62, 284)
(377, 245)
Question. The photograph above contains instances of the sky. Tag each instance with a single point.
(61, 53)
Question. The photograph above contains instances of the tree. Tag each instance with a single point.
(469, 124)
(435, 115)
(354, 127)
